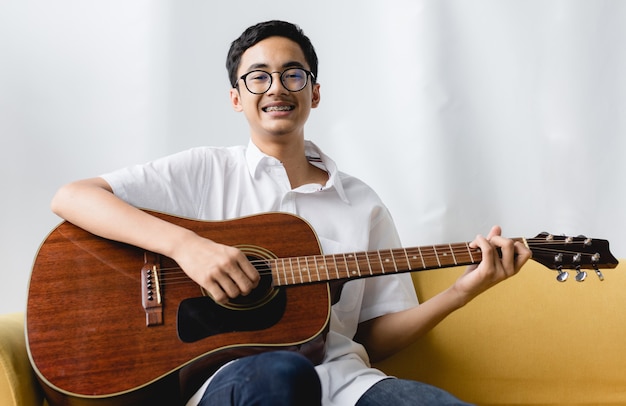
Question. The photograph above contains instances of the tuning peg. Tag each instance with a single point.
(562, 276)
(598, 272)
(595, 258)
(558, 262)
(580, 275)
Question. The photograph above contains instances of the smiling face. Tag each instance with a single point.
(277, 114)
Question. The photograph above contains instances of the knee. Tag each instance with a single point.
(294, 371)
(289, 366)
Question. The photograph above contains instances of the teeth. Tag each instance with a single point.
(279, 108)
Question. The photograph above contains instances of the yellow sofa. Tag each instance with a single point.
(529, 341)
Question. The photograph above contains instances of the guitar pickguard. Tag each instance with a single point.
(201, 317)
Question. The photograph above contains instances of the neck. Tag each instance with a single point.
(293, 158)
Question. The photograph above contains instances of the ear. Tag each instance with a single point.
(315, 100)
(235, 100)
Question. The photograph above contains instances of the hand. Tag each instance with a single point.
(223, 271)
(494, 267)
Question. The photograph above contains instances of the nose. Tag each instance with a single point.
(277, 84)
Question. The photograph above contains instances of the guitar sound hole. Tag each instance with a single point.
(259, 296)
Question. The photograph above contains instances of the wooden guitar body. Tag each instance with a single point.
(86, 321)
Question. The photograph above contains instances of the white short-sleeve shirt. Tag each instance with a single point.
(213, 183)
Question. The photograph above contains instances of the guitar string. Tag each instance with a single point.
(176, 274)
(369, 256)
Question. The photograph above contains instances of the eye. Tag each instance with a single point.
(294, 74)
(258, 76)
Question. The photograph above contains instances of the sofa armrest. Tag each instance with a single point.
(18, 384)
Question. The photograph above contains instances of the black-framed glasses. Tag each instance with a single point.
(260, 81)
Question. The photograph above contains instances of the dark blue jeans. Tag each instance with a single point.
(284, 378)
(280, 378)
(403, 392)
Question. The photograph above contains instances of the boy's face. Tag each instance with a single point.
(277, 112)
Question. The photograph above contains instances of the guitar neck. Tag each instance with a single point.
(325, 268)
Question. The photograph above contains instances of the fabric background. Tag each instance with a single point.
(461, 114)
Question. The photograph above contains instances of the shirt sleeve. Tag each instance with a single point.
(168, 184)
(388, 293)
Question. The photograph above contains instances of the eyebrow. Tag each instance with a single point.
(291, 64)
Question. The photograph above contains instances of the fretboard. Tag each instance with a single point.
(324, 268)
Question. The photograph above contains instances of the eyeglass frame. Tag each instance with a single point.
(271, 76)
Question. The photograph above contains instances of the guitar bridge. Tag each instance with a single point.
(151, 289)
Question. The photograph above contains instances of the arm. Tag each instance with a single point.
(90, 204)
(385, 335)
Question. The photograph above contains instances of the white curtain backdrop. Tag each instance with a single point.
(461, 114)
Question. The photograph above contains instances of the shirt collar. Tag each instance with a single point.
(255, 157)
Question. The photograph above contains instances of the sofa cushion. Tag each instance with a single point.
(18, 384)
(528, 341)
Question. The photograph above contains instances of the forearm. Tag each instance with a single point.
(223, 271)
(91, 205)
(388, 334)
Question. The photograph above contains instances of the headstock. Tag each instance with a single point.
(579, 253)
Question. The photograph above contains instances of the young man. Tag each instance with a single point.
(273, 71)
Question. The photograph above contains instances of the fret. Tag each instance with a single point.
(336, 266)
(275, 272)
(416, 256)
(356, 262)
(326, 267)
(283, 271)
(469, 251)
(278, 281)
(293, 275)
(470, 255)
(369, 264)
(288, 270)
(453, 256)
(436, 256)
(346, 268)
(300, 272)
(393, 260)
(445, 255)
(408, 262)
(375, 263)
(306, 268)
(402, 260)
(422, 258)
(317, 268)
(429, 256)
(381, 262)
(350, 271)
(388, 261)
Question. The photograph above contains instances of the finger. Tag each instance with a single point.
(495, 231)
(477, 241)
(245, 277)
(222, 290)
(250, 272)
(507, 254)
(522, 254)
(487, 250)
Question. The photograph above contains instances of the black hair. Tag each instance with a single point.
(261, 31)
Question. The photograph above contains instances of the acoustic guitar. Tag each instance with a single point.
(111, 324)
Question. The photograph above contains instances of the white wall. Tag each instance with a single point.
(461, 114)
